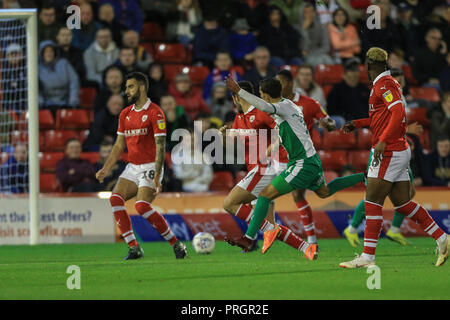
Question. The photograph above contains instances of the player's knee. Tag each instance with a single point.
(228, 205)
(298, 196)
(323, 192)
(116, 200)
(142, 207)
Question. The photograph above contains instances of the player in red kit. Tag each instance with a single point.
(388, 171)
(312, 111)
(248, 121)
(142, 129)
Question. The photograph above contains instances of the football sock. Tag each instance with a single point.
(245, 212)
(345, 182)
(358, 215)
(306, 216)
(374, 222)
(351, 229)
(397, 220)
(261, 209)
(395, 229)
(421, 216)
(122, 219)
(156, 220)
(291, 239)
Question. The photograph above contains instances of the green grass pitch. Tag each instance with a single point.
(39, 272)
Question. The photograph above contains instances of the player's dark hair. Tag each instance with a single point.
(286, 74)
(306, 66)
(70, 140)
(271, 86)
(139, 77)
(47, 5)
(442, 137)
(347, 18)
(105, 143)
(247, 86)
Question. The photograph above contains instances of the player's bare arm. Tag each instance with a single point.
(117, 150)
(258, 103)
(160, 142)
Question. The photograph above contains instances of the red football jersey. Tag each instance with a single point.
(140, 128)
(255, 120)
(311, 109)
(386, 93)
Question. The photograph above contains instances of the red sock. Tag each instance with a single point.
(374, 222)
(421, 216)
(291, 239)
(156, 220)
(245, 212)
(122, 219)
(306, 216)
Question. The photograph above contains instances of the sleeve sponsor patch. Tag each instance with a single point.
(161, 124)
(388, 96)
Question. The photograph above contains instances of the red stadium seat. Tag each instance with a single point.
(171, 53)
(48, 182)
(148, 46)
(328, 74)
(92, 157)
(363, 78)
(239, 176)
(55, 140)
(72, 119)
(48, 160)
(222, 181)
(409, 77)
(46, 120)
(239, 70)
(417, 115)
(293, 69)
(430, 94)
(316, 139)
(87, 97)
(330, 175)
(172, 70)
(198, 74)
(19, 137)
(333, 160)
(326, 89)
(359, 159)
(364, 139)
(83, 134)
(152, 31)
(338, 140)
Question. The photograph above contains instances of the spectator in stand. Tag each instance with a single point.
(106, 121)
(59, 84)
(48, 26)
(106, 18)
(73, 173)
(349, 99)
(110, 180)
(315, 40)
(157, 10)
(157, 84)
(69, 52)
(437, 164)
(17, 4)
(325, 9)
(127, 60)
(208, 40)
(127, 13)
(430, 59)
(416, 162)
(439, 116)
(84, 37)
(101, 54)
(113, 83)
(444, 78)
(183, 20)
(290, 8)
(143, 58)
(14, 172)
(218, 103)
(282, 40)
(187, 96)
(13, 68)
(304, 84)
(242, 42)
(408, 29)
(224, 68)
(176, 118)
(344, 37)
(256, 13)
(261, 69)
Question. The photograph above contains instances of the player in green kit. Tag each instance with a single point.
(304, 169)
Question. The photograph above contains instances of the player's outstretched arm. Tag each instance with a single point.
(258, 103)
(328, 123)
(117, 150)
(160, 142)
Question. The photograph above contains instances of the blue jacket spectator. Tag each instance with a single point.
(14, 173)
(242, 42)
(84, 37)
(59, 84)
(127, 13)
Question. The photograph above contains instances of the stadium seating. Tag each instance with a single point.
(359, 159)
(338, 140)
(46, 120)
(239, 176)
(363, 78)
(55, 140)
(152, 31)
(316, 139)
(328, 74)
(330, 175)
(48, 182)
(364, 141)
(333, 160)
(222, 181)
(72, 119)
(198, 74)
(83, 134)
(148, 46)
(430, 94)
(49, 160)
(417, 115)
(409, 77)
(92, 157)
(171, 53)
(87, 97)
(293, 69)
(19, 137)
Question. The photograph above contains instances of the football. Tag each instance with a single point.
(204, 242)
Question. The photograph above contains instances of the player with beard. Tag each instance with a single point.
(142, 129)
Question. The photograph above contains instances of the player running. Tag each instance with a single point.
(388, 171)
(260, 174)
(304, 168)
(312, 111)
(142, 129)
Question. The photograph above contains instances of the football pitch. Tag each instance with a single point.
(39, 272)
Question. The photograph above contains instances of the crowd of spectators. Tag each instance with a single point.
(247, 39)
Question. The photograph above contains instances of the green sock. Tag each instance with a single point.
(358, 215)
(397, 219)
(345, 182)
(261, 209)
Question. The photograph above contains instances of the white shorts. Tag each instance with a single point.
(393, 166)
(141, 174)
(256, 180)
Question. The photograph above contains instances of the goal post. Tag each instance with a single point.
(29, 16)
